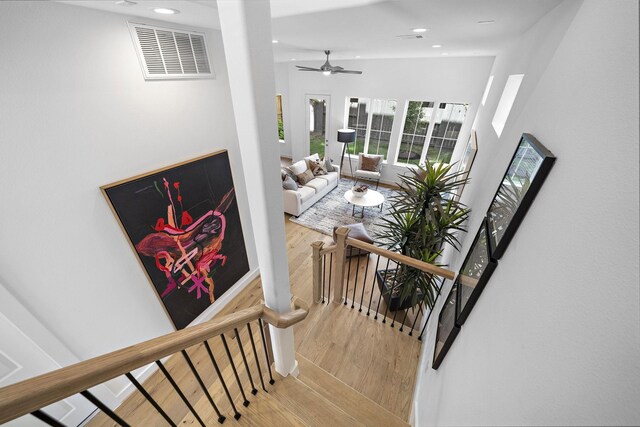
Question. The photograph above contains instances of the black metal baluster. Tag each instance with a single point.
(355, 281)
(221, 418)
(266, 351)
(373, 284)
(384, 279)
(254, 390)
(324, 267)
(346, 292)
(150, 399)
(255, 355)
(330, 268)
(180, 393)
(393, 286)
(236, 414)
(104, 408)
(406, 312)
(46, 418)
(430, 311)
(364, 282)
(235, 371)
(413, 325)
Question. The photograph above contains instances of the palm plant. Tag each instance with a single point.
(423, 218)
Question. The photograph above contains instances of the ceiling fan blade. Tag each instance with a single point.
(348, 71)
(307, 68)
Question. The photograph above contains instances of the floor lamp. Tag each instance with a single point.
(346, 136)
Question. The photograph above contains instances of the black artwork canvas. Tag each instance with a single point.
(474, 273)
(526, 173)
(183, 224)
(447, 328)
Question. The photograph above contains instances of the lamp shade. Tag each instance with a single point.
(346, 135)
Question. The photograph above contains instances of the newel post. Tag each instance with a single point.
(317, 270)
(340, 260)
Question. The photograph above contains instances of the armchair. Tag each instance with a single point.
(369, 167)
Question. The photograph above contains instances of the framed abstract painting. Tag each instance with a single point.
(524, 177)
(183, 224)
(474, 274)
(447, 328)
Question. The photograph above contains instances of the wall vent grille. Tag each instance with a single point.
(168, 54)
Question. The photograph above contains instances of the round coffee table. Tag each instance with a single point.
(372, 198)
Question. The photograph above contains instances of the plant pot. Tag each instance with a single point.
(384, 285)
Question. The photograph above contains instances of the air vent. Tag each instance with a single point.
(409, 36)
(166, 53)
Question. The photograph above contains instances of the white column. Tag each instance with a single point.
(246, 33)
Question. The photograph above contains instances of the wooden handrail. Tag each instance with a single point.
(35, 393)
(331, 247)
(395, 256)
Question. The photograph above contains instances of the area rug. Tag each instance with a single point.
(333, 210)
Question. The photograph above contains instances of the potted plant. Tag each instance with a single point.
(424, 217)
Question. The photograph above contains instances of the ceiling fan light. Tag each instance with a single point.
(326, 73)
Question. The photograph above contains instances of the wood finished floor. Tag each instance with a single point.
(334, 339)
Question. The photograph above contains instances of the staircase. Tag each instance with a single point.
(314, 398)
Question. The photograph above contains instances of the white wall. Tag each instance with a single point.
(282, 88)
(442, 80)
(75, 114)
(555, 337)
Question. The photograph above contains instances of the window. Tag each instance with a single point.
(506, 102)
(414, 134)
(440, 126)
(382, 112)
(280, 120)
(446, 129)
(358, 116)
(372, 121)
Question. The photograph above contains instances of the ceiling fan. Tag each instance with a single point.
(327, 68)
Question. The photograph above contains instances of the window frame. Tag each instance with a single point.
(367, 136)
(429, 133)
(280, 116)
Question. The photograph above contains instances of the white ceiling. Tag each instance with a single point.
(366, 28)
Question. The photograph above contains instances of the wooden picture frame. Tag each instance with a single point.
(447, 328)
(477, 268)
(522, 180)
(466, 162)
(183, 224)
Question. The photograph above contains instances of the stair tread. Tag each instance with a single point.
(346, 398)
(264, 410)
(310, 406)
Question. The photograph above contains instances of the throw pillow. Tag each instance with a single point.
(298, 167)
(371, 163)
(289, 184)
(305, 177)
(312, 158)
(328, 165)
(318, 168)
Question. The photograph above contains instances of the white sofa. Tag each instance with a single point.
(298, 201)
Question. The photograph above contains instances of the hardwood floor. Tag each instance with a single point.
(350, 363)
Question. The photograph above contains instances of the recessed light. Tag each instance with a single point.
(165, 11)
(436, 45)
(293, 59)
(419, 30)
(358, 56)
(445, 54)
(274, 41)
(487, 21)
(125, 3)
